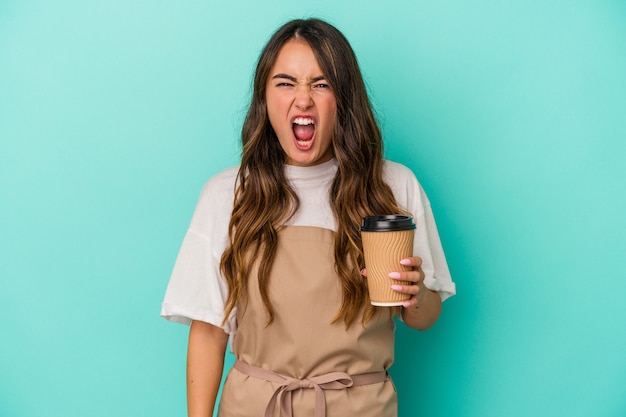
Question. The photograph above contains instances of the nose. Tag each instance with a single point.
(303, 99)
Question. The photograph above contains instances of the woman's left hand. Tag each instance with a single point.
(415, 277)
(424, 307)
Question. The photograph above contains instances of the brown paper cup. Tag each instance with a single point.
(383, 249)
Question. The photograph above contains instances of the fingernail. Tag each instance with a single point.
(405, 262)
(396, 287)
(394, 275)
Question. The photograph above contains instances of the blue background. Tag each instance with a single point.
(512, 114)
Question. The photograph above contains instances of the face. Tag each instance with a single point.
(301, 105)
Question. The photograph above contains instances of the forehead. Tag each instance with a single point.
(296, 58)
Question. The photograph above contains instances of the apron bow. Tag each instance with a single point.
(282, 394)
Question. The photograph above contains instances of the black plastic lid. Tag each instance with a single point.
(387, 223)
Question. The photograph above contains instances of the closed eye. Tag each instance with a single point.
(284, 80)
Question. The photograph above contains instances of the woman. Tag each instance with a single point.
(273, 256)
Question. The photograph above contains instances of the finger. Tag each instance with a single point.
(412, 302)
(413, 276)
(406, 289)
(414, 261)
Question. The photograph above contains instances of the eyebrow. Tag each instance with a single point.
(294, 79)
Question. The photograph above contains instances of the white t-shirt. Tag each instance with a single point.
(197, 290)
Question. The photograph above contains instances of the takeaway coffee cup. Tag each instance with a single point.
(386, 240)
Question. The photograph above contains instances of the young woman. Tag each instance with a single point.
(273, 256)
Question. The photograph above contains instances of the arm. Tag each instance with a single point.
(205, 364)
(424, 307)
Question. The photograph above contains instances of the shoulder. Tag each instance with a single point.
(399, 177)
(215, 204)
(405, 187)
(220, 188)
(222, 183)
(396, 171)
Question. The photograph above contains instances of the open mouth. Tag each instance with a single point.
(303, 131)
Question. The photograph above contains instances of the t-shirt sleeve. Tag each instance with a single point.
(197, 289)
(411, 196)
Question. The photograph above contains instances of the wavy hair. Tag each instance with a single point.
(263, 198)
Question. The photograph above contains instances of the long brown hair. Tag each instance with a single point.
(263, 198)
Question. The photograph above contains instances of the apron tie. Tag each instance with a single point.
(332, 380)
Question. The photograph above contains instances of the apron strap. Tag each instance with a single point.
(332, 380)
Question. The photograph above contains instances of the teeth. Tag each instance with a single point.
(303, 121)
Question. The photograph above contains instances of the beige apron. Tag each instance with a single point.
(301, 358)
